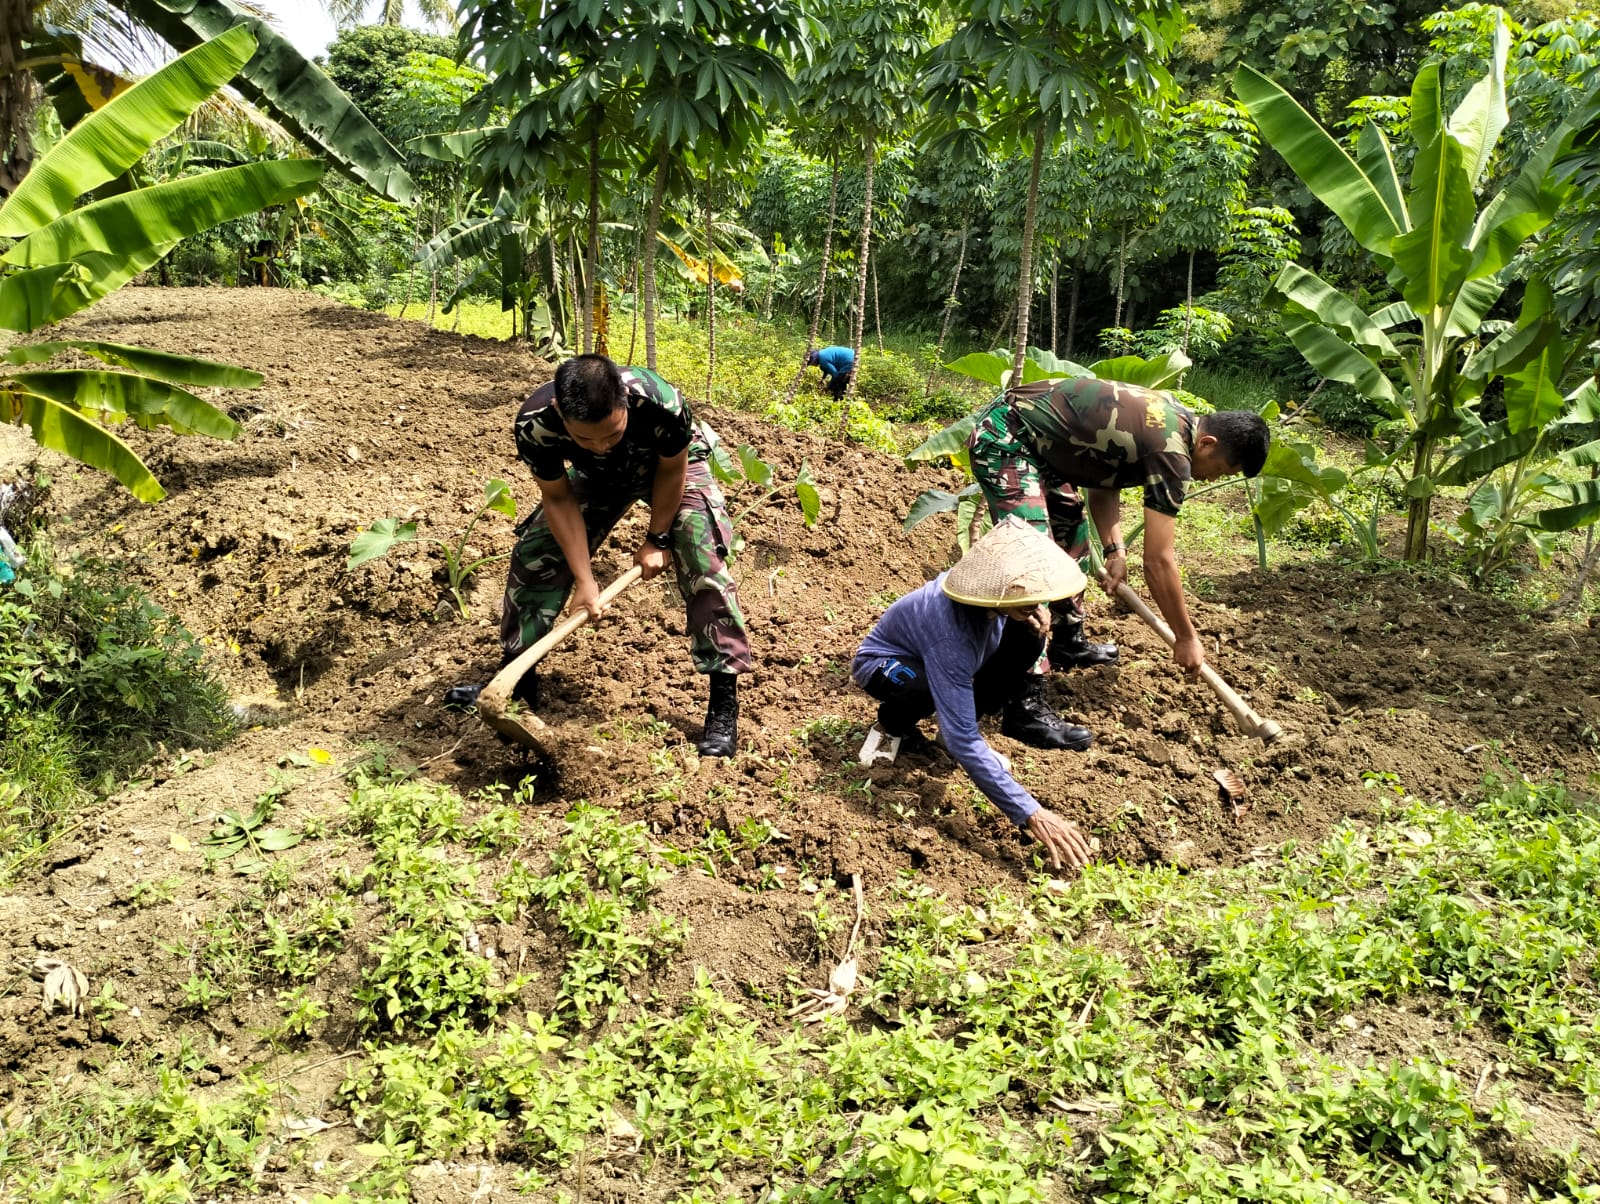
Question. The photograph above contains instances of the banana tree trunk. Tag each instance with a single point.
(822, 279)
(861, 289)
(1419, 508)
(950, 303)
(1030, 215)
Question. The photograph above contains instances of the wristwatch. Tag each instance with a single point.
(1114, 549)
(662, 540)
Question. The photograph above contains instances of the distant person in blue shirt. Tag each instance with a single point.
(836, 364)
(963, 645)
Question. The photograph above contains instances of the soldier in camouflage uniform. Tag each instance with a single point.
(1036, 446)
(629, 437)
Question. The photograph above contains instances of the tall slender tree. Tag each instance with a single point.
(1033, 77)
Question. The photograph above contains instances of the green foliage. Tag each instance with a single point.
(752, 469)
(378, 539)
(93, 676)
(366, 62)
(67, 255)
(1446, 258)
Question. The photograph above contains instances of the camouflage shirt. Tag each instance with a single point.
(660, 425)
(1102, 434)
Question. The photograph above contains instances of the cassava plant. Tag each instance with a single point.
(383, 535)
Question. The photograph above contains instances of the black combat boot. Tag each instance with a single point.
(721, 738)
(1069, 650)
(1029, 718)
(525, 691)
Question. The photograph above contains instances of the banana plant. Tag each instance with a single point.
(1525, 493)
(68, 254)
(1445, 256)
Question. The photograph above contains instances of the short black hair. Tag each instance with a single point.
(589, 388)
(1242, 436)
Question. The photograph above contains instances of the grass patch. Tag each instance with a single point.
(1137, 1034)
(94, 678)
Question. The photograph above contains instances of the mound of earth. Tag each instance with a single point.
(363, 417)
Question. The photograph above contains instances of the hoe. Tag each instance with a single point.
(523, 726)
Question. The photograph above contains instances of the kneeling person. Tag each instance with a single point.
(629, 437)
(964, 645)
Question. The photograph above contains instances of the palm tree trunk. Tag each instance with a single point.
(591, 266)
(1030, 215)
(822, 280)
(1072, 304)
(950, 303)
(633, 335)
(861, 288)
(711, 294)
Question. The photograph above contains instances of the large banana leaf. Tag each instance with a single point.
(109, 141)
(470, 238)
(104, 272)
(1582, 508)
(928, 503)
(180, 369)
(1481, 117)
(1510, 351)
(1153, 373)
(1481, 453)
(1433, 255)
(1584, 456)
(949, 443)
(1375, 158)
(1523, 207)
(120, 395)
(1338, 360)
(1472, 302)
(60, 429)
(1397, 313)
(28, 299)
(1532, 396)
(1319, 160)
(1313, 297)
(279, 78)
(165, 213)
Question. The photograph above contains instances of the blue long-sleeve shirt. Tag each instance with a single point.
(835, 362)
(926, 625)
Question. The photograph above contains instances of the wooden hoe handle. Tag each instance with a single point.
(493, 698)
(1249, 722)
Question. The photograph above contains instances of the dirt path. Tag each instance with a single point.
(362, 417)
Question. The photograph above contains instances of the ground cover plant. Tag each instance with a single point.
(1237, 1033)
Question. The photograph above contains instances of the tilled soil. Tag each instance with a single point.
(363, 417)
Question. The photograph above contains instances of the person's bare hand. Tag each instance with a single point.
(1038, 619)
(1116, 571)
(650, 559)
(1062, 839)
(586, 596)
(1189, 655)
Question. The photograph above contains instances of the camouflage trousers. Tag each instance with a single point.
(540, 580)
(1008, 473)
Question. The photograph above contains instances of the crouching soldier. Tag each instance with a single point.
(628, 436)
(964, 645)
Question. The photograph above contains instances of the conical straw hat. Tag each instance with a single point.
(1014, 565)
